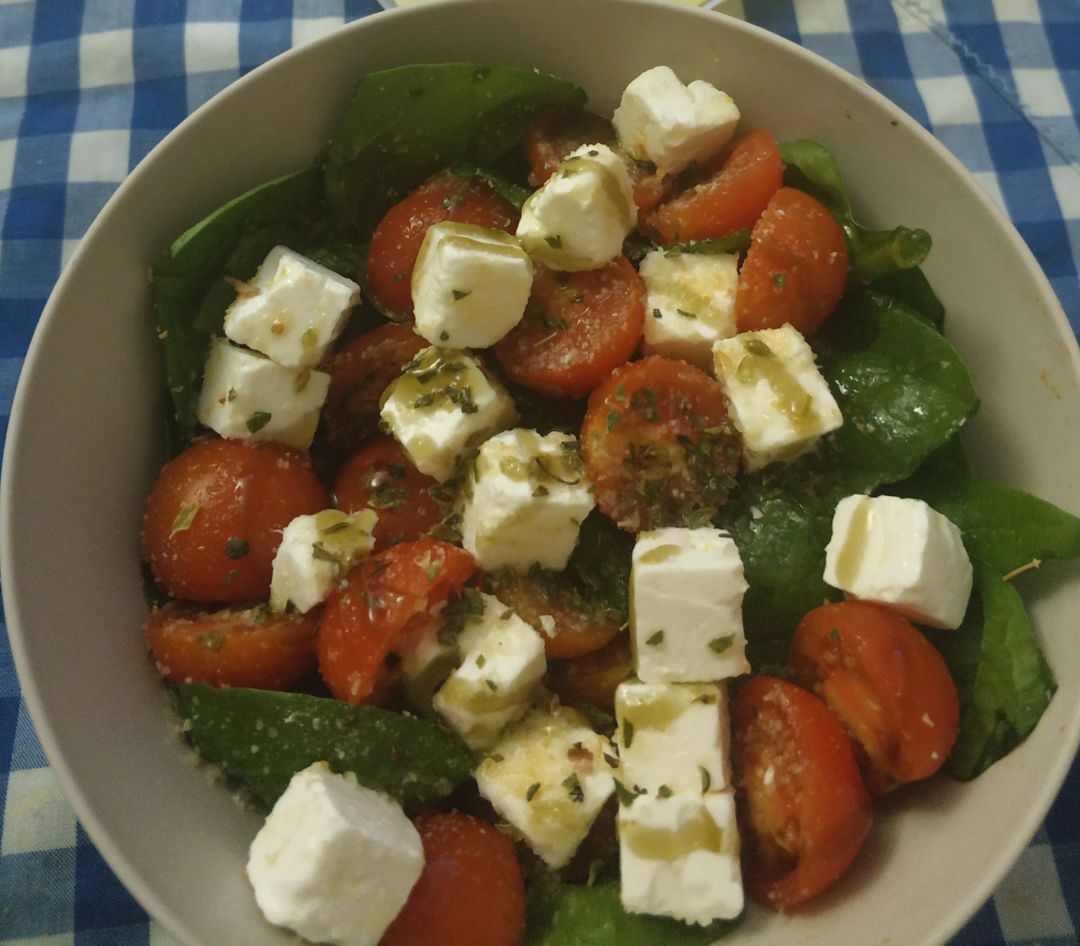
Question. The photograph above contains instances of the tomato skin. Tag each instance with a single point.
(251, 648)
(241, 495)
(658, 444)
(369, 616)
(886, 682)
(577, 328)
(381, 477)
(554, 134)
(807, 812)
(581, 626)
(359, 373)
(471, 890)
(729, 199)
(592, 679)
(796, 268)
(396, 241)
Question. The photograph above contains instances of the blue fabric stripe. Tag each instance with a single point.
(16, 24)
(265, 31)
(778, 17)
(983, 929)
(43, 878)
(101, 901)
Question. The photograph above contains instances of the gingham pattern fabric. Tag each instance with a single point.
(87, 87)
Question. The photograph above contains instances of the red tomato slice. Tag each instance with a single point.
(214, 517)
(796, 268)
(580, 626)
(658, 444)
(369, 617)
(251, 648)
(731, 198)
(471, 891)
(577, 328)
(806, 812)
(592, 680)
(382, 478)
(888, 684)
(359, 374)
(554, 134)
(396, 241)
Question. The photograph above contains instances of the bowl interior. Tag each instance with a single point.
(87, 419)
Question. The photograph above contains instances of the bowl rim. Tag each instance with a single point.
(17, 588)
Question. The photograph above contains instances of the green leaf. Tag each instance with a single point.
(577, 915)
(513, 193)
(601, 561)
(1004, 682)
(874, 253)
(262, 738)
(404, 124)
(737, 241)
(190, 295)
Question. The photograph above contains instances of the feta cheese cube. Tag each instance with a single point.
(901, 553)
(779, 401)
(425, 664)
(334, 861)
(470, 285)
(549, 777)
(292, 309)
(580, 217)
(314, 552)
(671, 124)
(502, 661)
(246, 396)
(673, 737)
(525, 500)
(442, 405)
(690, 303)
(679, 857)
(686, 592)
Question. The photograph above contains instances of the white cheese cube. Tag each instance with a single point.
(580, 217)
(314, 552)
(679, 857)
(901, 553)
(549, 777)
(334, 861)
(686, 592)
(442, 405)
(779, 401)
(292, 309)
(502, 661)
(526, 498)
(690, 303)
(673, 737)
(671, 124)
(246, 396)
(426, 661)
(470, 285)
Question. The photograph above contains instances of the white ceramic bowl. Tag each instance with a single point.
(86, 439)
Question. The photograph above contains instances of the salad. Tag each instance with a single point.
(522, 459)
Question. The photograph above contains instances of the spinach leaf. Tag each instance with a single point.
(1004, 682)
(406, 123)
(577, 915)
(189, 296)
(516, 194)
(262, 738)
(601, 562)
(874, 253)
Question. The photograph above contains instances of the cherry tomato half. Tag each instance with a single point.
(369, 616)
(214, 517)
(396, 241)
(888, 684)
(658, 444)
(554, 134)
(577, 328)
(471, 891)
(592, 680)
(806, 812)
(230, 647)
(796, 268)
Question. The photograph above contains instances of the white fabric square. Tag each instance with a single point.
(817, 17)
(159, 936)
(99, 156)
(1029, 901)
(211, 47)
(1017, 11)
(14, 63)
(67, 250)
(304, 31)
(7, 162)
(949, 100)
(106, 59)
(1041, 93)
(1065, 179)
(988, 181)
(37, 816)
(919, 18)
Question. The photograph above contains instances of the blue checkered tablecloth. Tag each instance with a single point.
(88, 87)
